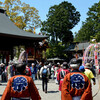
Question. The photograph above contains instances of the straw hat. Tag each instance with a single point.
(87, 65)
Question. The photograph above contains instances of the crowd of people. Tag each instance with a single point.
(74, 79)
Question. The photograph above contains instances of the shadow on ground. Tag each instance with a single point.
(53, 91)
(0, 95)
(3, 85)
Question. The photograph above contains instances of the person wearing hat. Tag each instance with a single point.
(82, 69)
(89, 73)
(61, 74)
(8, 68)
(33, 71)
(76, 85)
(20, 86)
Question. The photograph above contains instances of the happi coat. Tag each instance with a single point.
(76, 84)
(61, 77)
(20, 86)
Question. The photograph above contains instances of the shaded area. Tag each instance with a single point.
(53, 91)
(0, 94)
(3, 85)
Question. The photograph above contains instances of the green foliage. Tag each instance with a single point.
(23, 16)
(85, 32)
(97, 37)
(60, 20)
(0, 4)
(56, 50)
(91, 27)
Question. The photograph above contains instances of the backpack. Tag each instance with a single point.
(44, 72)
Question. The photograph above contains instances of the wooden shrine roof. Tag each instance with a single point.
(9, 29)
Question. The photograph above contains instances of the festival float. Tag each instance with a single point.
(92, 55)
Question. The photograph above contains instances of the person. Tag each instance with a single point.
(62, 73)
(33, 71)
(20, 86)
(76, 85)
(49, 66)
(89, 73)
(1, 72)
(28, 71)
(44, 73)
(52, 71)
(38, 70)
(56, 72)
(9, 70)
(3, 75)
(82, 69)
(93, 67)
(12, 69)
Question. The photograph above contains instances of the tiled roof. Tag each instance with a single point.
(78, 46)
(7, 27)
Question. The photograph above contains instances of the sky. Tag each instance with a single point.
(43, 7)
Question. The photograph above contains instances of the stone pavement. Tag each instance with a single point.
(53, 93)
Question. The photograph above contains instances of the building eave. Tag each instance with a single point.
(8, 28)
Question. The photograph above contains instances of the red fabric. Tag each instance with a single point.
(30, 91)
(28, 71)
(6, 67)
(59, 78)
(60, 85)
(59, 70)
(67, 91)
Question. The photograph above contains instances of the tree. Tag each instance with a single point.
(60, 20)
(23, 16)
(85, 33)
(55, 51)
(91, 27)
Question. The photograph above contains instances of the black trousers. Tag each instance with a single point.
(44, 84)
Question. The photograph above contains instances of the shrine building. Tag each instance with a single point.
(11, 36)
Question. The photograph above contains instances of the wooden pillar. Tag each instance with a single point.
(34, 50)
(7, 59)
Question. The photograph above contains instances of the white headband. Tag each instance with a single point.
(74, 65)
